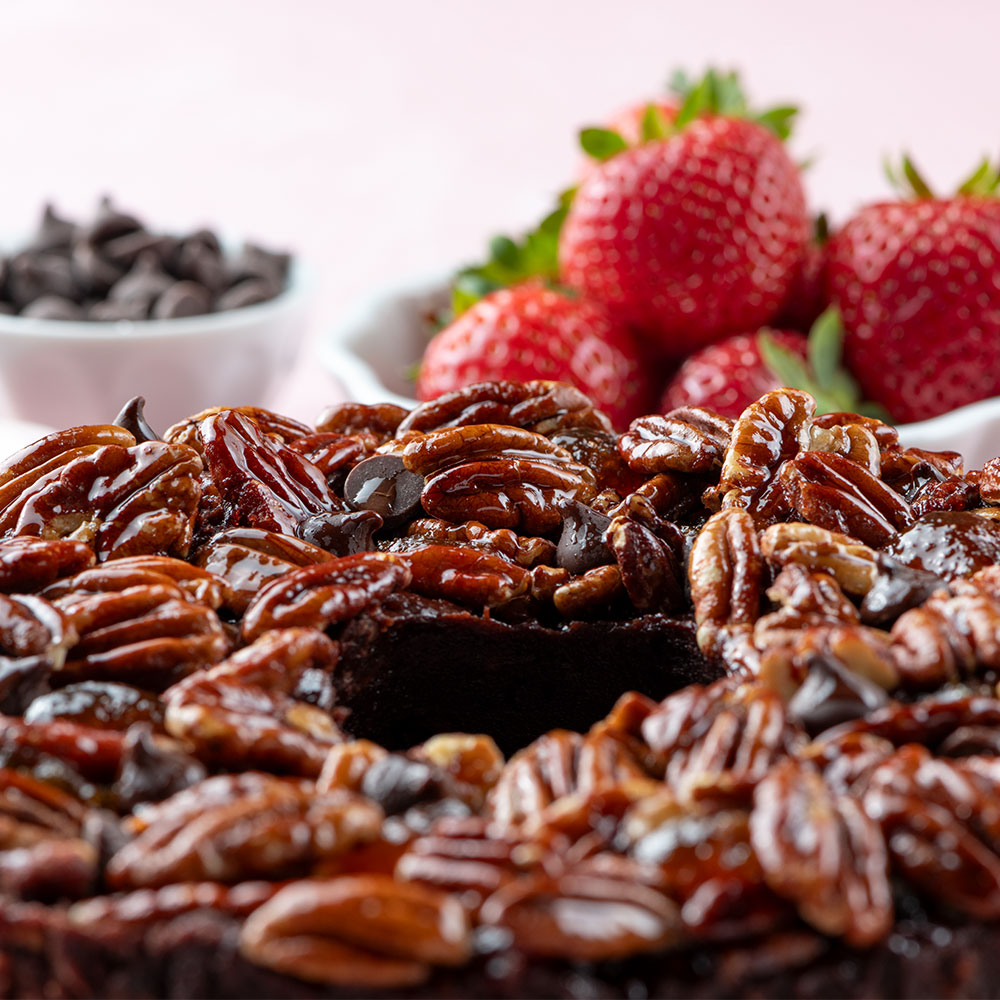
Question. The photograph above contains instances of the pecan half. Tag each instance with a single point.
(849, 562)
(275, 828)
(726, 573)
(650, 567)
(381, 420)
(275, 425)
(249, 710)
(691, 439)
(466, 575)
(326, 594)
(837, 494)
(586, 916)
(29, 564)
(821, 851)
(362, 930)
(143, 635)
(594, 591)
(540, 406)
(522, 549)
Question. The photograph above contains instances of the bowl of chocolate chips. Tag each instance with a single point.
(89, 311)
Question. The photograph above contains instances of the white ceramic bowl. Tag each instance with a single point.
(62, 373)
(383, 337)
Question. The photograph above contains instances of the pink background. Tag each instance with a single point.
(383, 140)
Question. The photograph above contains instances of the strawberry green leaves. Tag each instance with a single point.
(982, 182)
(821, 373)
(601, 143)
(908, 182)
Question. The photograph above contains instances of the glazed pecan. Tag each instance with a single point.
(540, 406)
(649, 565)
(691, 439)
(32, 811)
(940, 822)
(335, 453)
(586, 915)
(989, 481)
(101, 704)
(212, 832)
(821, 851)
(50, 870)
(189, 582)
(505, 477)
(805, 599)
(261, 482)
(885, 434)
(947, 638)
(849, 562)
(522, 549)
(952, 493)
(852, 440)
(598, 450)
(362, 931)
(908, 469)
(840, 495)
(276, 425)
(347, 764)
(726, 573)
(248, 558)
(588, 594)
(471, 762)
(34, 638)
(29, 564)
(250, 710)
(718, 742)
(326, 594)
(143, 635)
(466, 575)
(88, 753)
(768, 432)
(381, 420)
(122, 498)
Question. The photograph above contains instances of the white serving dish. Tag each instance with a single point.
(62, 373)
(379, 342)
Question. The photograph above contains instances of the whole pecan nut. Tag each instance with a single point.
(691, 439)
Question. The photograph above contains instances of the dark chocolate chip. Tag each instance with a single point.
(53, 233)
(143, 284)
(397, 783)
(256, 262)
(581, 545)
(383, 484)
(93, 273)
(198, 258)
(125, 250)
(831, 694)
(133, 419)
(153, 769)
(6, 309)
(342, 534)
(247, 293)
(53, 307)
(183, 298)
(32, 275)
(896, 589)
(110, 223)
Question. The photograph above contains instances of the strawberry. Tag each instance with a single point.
(917, 282)
(730, 375)
(528, 332)
(807, 296)
(694, 234)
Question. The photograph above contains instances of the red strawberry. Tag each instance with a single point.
(691, 236)
(531, 332)
(807, 297)
(918, 285)
(730, 375)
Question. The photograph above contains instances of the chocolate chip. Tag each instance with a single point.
(143, 284)
(397, 783)
(341, 534)
(110, 223)
(126, 250)
(152, 769)
(831, 694)
(256, 262)
(383, 484)
(53, 307)
(183, 298)
(199, 258)
(132, 418)
(581, 545)
(93, 273)
(32, 275)
(53, 233)
(247, 293)
(6, 309)
(896, 589)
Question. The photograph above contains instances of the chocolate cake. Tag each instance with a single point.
(484, 699)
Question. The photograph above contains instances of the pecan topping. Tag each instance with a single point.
(726, 574)
(120, 499)
(535, 777)
(144, 635)
(717, 742)
(29, 564)
(588, 594)
(540, 406)
(250, 710)
(190, 431)
(505, 477)
(821, 851)
(849, 562)
(767, 433)
(324, 595)
(556, 917)
(852, 440)
(649, 566)
(333, 454)
(840, 495)
(279, 827)
(362, 930)
(380, 420)
(521, 549)
(691, 439)
(466, 575)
